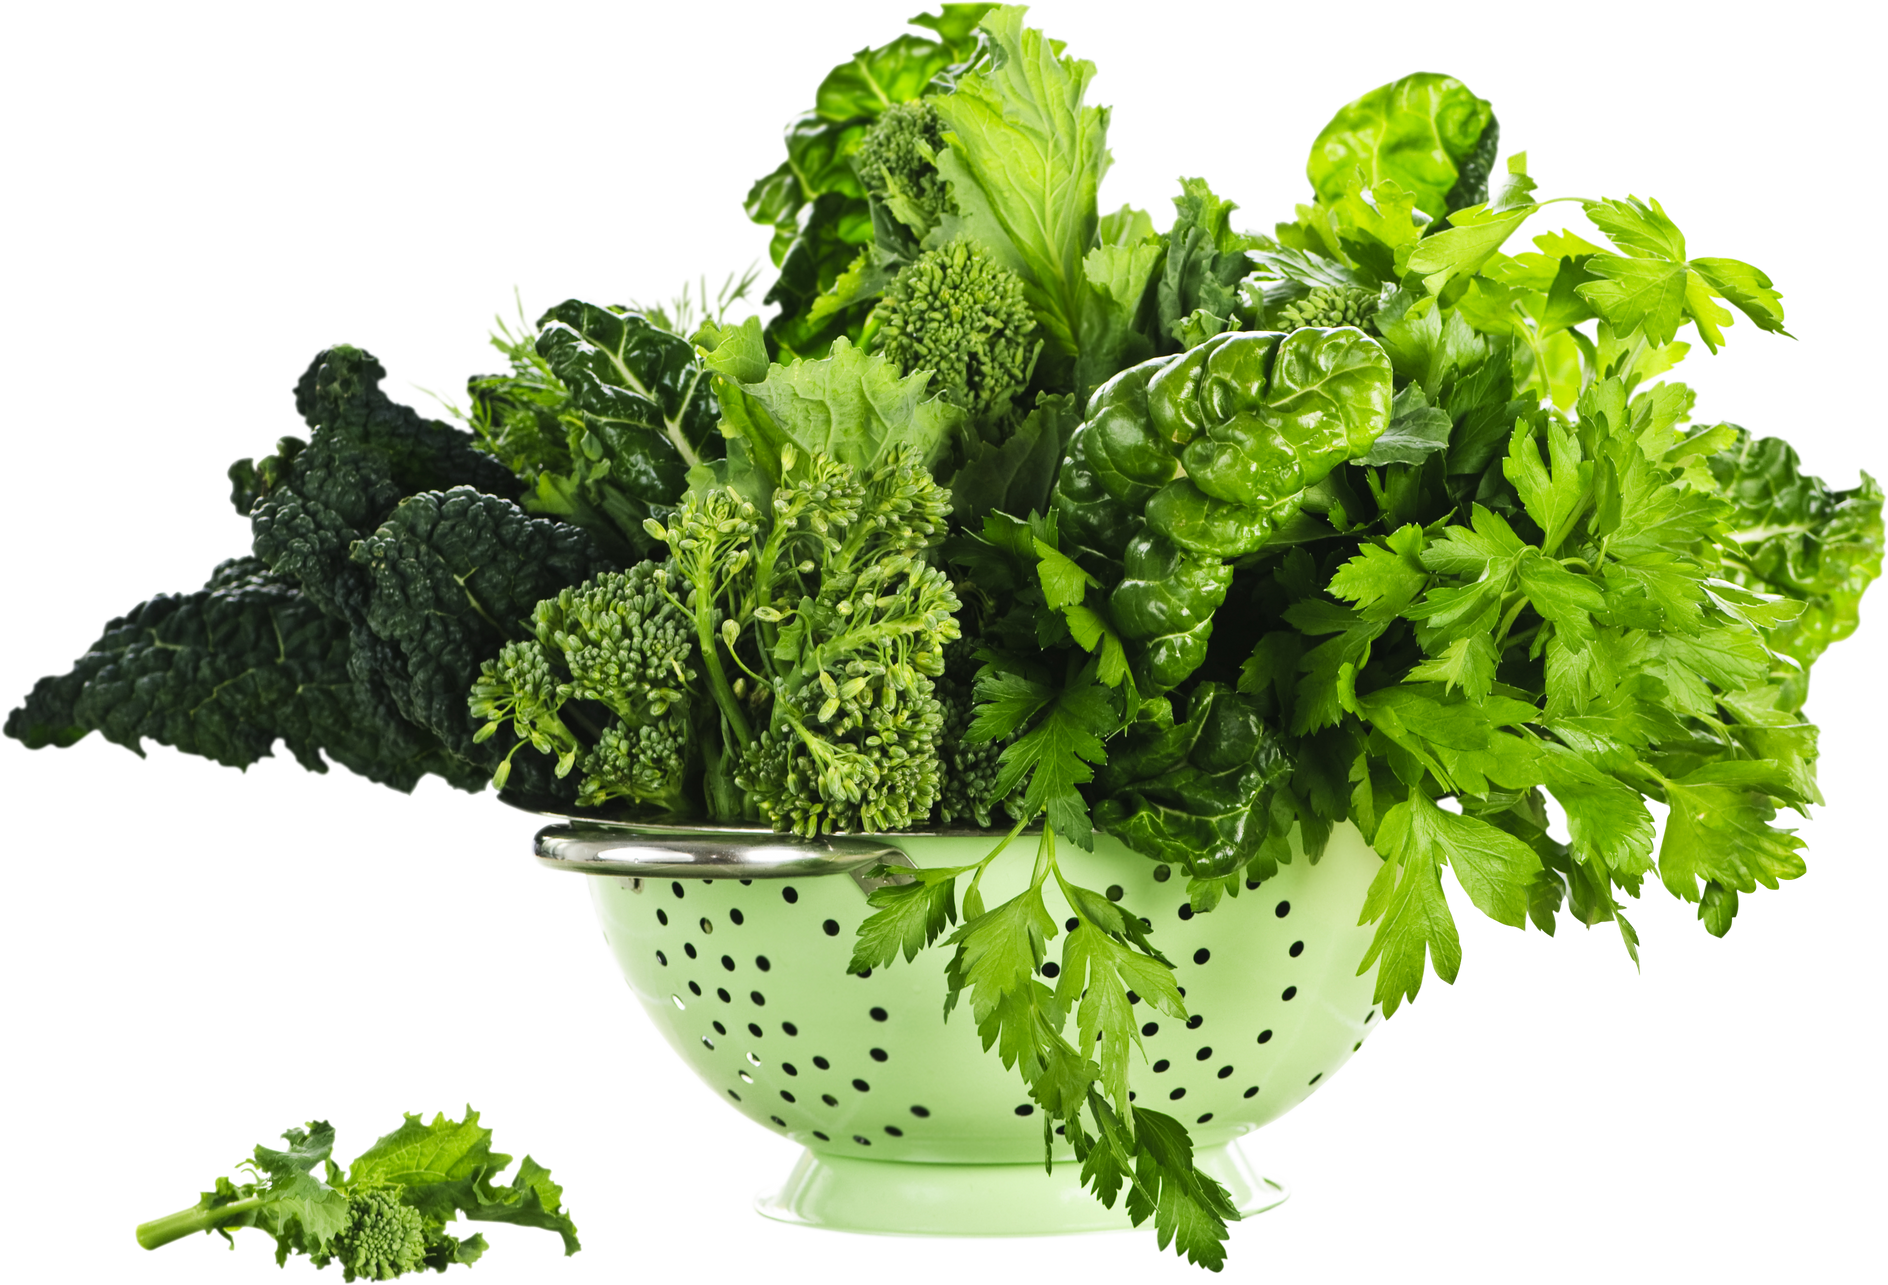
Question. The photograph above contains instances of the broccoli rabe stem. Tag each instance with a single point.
(185, 1222)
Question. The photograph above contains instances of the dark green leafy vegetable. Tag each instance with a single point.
(1213, 448)
(815, 201)
(1798, 538)
(226, 672)
(1195, 794)
(1426, 133)
(388, 1215)
(388, 588)
(603, 408)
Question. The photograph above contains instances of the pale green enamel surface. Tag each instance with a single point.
(1238, 994)
(844, 1193)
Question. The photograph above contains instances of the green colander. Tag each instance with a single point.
(736, 942)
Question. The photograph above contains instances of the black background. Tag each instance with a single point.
(202, 959)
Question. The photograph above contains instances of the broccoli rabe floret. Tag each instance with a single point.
(623, 639)
(897, 163)
(958, 313)
(1329, 306)
(384, 1237)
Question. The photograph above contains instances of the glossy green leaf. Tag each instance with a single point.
(1421, 131)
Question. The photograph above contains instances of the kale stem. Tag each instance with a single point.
(162, 1231)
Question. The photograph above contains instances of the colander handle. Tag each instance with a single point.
(618, 850)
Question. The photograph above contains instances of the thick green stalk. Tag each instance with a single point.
(162, 1231)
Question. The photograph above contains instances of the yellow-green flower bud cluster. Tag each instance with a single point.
(638, 763)
(958, 313)
(624, 641)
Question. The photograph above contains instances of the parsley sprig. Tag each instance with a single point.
(1077, 1085)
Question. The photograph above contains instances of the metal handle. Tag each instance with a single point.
(622, 850)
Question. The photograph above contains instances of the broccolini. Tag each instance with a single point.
(806, 639)
(618, 640)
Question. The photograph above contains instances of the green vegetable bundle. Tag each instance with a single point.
(386, 1215)
(1015, 510)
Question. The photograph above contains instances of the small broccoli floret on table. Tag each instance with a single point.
(958, 313)
(384, 1237)
(897, 163)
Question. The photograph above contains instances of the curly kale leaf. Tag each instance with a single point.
(226, 672)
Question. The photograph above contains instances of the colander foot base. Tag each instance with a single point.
(892, 1198)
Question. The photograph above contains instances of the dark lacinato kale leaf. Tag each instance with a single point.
(450, 577)
(342, 635)
(225, 673)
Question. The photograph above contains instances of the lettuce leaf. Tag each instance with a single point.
(1797, 537)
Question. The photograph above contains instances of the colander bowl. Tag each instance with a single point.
(736, 943)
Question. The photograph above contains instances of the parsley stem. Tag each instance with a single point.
(993, 854)
(1045, 857)
(1507, 621)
